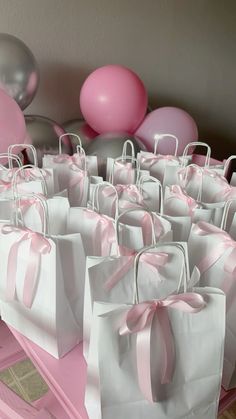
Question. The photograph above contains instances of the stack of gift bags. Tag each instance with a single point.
(140, 266)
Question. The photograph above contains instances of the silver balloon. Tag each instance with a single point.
(111, 145)
(82, 129)
(19, 74)
(43, 133)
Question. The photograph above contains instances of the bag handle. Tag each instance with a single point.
(129, 210)
(124, 158)
(80, 151)
(160, 137)
(66, 135)
(148, 178)
(227, 163)
(11, 157)
(20, 170)
(124, 150)
(185, 177)
(226, 213)
(95, 200)
(42, 201)
(184, 272)
(194, 144)
(29, 146)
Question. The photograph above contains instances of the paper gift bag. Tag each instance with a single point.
(171, 176)
(151, 349)
(212, 250)
(49, 175)
(97, 230)
(123, 169)
(111, 279)
(137, 228)
(29, 209)
(41, 287)
(78, 187)
(157, 164)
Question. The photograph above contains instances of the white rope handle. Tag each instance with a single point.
(95, 199)
(18, 172)
(148, 178)
(66, 135)
(227, 163)
(29, 146)
(194, 144)
(184, 273)
(124, 151)
(199, 169)
(129, 210)
(43, 203)
(11, 157)
(226, 213)
(160, 137)
(80, 150)
(124, 158)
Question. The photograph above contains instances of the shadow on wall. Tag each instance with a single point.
(59, 90)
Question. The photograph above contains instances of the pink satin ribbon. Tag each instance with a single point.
(226, 193)
(70, 160)
(178, 193)
(155, 261)
(123, 168)
(139, 320)
(104, 233)
(134, 198)
(5, 186)
(26, 203)
(204, 229)
(39, 246)
(149, 162)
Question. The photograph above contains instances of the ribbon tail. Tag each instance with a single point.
(31, 276)
(169, 350)
(11, 272)
(143, 352)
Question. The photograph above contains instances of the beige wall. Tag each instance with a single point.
(184, 50)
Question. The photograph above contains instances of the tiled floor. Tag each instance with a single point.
(24, 379)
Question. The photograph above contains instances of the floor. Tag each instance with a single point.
(24, 379)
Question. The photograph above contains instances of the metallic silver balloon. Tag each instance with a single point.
(82, 129)
(111, 145)
(19, 74)
(43, 133)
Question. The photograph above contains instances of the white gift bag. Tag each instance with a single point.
(41, 286)
(124, 169)
(171, 176)
(97, 230)
(159, 369)
(49, 175)
(158, 164)
(6, 195)
(111, 280)
(213, 251)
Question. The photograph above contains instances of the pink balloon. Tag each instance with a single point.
(113, 98)
(12, 122)
(168, 120)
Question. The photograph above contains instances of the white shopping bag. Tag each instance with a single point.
(49, 175)
(41, 286)
(157, 164)
(124, 169)
(162, 270)
(151, 349)
(213, 251)
(97, 230)
(171, 175)
(137, 228)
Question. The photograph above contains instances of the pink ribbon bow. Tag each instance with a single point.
(139, 320)
(39, 245)
(226, 193)
(178, 193)
(155, 261)
(77, 179)
(204, 229)
(5, 186)
(149, 162)
(70, 160)
(26, 203)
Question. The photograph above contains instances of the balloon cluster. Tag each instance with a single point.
(113, 99)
